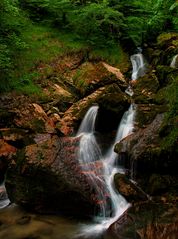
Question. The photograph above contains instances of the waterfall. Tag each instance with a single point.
(88, 155)
(89, 151)
(174, 63)
(88, 123)
(138, 65)
(125, 128)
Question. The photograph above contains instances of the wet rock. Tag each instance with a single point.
(109, 98)
(143, 141)
(128, 189)
(46, 177)
(149, 164)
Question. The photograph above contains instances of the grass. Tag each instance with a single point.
(112, 54)
(43, 44)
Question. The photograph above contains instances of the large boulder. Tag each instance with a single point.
(47, 178)
(91, 76)
(148, 161)
(110, 98)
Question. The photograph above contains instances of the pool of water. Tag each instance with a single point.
(15, 223)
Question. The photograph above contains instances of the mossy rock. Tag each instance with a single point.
(165, 74)
(166, 39)
(146, 113)
(91, 76)
(145, 88)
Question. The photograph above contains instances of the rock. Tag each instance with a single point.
(47, 178)
(159, 231)
(159, 184)
(146, 113)
(130, 191)
(147, 158)
(142, 142)
(6, 118)
(34, 118)
(145, 88)
(165, 74)
(91, 76)
(109, 98)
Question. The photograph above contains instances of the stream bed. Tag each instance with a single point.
(15, 223)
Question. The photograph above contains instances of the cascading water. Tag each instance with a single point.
(138, 65)
(119, 204)
(89, 151)
(88, 123)
(174, 61)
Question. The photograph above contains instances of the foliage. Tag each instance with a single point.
(11, 23)
(97, 25)
(171, 119)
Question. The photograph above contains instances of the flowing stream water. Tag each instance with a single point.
(138, 65)
(89, 152)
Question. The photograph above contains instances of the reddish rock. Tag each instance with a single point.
(46, 177)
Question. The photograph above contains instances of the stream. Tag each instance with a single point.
(15, 223)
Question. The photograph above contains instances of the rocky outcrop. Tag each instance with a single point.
(109, 98)
(91, 76)
(140, 144)
(46, 177)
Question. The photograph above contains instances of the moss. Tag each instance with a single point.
(165, 74)
(147, 113)
(166, 39)
(90, 77)
(169, 128)
(146, 88)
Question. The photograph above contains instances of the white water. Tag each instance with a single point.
(173, 62)
(4, 201)
(89, 152)
(138, 65)
(88, 123)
